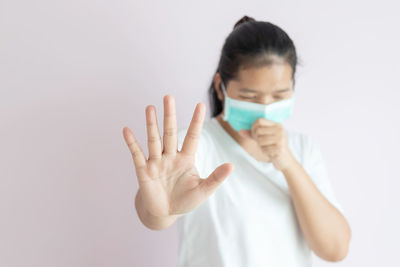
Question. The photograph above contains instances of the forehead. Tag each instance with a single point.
(266, 77)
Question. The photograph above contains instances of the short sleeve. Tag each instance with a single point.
(314, 165)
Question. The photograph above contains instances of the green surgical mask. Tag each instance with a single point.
(242, 114)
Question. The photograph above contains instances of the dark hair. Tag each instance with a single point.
(251, 43)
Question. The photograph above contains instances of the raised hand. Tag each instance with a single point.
(168, 180)
(273, 141)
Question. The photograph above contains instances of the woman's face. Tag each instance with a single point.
(263, 85)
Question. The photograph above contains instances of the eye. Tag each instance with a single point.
(247, 97)
(253, 97)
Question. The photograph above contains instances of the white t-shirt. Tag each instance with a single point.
(249, 220)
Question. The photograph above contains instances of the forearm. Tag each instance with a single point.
(324, 227)
(150, 221)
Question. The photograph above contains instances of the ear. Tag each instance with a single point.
(217, 86)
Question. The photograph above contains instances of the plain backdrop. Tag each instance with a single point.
(74, 73)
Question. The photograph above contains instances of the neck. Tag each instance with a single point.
(248, 144)
(232, 132)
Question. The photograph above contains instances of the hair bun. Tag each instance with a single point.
(244, 19)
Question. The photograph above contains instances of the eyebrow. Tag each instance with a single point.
(251, 90)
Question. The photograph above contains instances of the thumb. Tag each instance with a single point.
(210, 184)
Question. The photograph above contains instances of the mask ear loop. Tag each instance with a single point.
(223, 88)
(225, 110)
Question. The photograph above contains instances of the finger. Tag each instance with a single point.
(262, 130)
(170, 140)
(153, 134)
(210, 184)
(138, 156)
(193, 133)
(266, 140)
(271, 150)
(264, 121)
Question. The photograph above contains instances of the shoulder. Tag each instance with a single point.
(303, 144)
(298, 141)
(302, 139)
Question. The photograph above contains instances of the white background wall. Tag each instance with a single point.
(73, 73)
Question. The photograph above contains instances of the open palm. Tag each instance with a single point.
(169, 182)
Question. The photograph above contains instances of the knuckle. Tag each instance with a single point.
(155, 157)
(153, 139)
(170, 131)
(135, 154)
(192, 135)
(133, 146)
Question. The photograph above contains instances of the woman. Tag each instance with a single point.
(277, 204)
